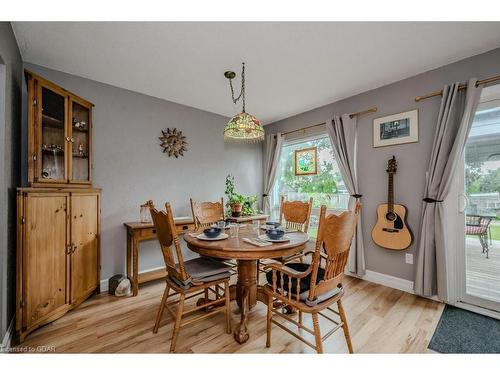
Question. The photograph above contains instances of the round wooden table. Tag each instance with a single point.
(246, 291)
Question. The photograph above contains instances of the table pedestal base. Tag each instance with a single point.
(246, 292)
(247, 295)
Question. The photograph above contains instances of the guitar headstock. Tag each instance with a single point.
(392, 165)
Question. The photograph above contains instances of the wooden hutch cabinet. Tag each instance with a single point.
(58, 227)
(59, 135)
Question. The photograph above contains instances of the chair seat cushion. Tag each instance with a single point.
(305, 283)
(202, 270)
(472, 229)
(321, 298)
(203, 267)
(192, 282)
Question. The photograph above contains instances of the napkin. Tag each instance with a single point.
(257, 243)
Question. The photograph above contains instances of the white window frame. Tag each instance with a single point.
(455, 207)
(275, 193)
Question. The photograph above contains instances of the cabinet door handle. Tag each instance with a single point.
(68, 248)
(68, 139)
(72, 139)
(74, 248)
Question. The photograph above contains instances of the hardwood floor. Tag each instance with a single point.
(381, 320)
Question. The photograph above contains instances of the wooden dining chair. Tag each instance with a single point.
(189, 279)
(206, 214)
(314, 287)
(295, 215)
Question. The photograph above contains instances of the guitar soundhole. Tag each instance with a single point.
(391, 216)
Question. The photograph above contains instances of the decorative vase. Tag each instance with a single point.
(145, 215)
(236, 209)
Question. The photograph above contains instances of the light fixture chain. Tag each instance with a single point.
(242, 92)
(243, 84)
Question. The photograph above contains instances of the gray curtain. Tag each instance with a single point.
(272, 153)
(343, 135)
(454, 122)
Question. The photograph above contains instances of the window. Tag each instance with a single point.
(479, 241)
(326, 187)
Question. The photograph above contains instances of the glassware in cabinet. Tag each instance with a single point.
(81, 128)
(52, 112)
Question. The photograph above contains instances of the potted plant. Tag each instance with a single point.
(239, 204)
(248, 208)
(236, 203)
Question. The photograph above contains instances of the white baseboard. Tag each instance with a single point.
(390, 281)
(371, 276)
(7, 339)
(104, 285)
(386, 280)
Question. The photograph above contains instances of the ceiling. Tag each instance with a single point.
(291, 67)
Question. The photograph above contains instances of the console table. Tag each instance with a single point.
(246, 219)
(137, 232)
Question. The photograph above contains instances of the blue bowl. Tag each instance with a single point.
(275, 234)
(273, 224)
(212, 232)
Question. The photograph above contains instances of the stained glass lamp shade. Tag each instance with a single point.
(244, 127)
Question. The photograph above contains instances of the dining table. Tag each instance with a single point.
(246, 291)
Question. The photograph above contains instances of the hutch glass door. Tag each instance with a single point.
(52, 134)
(80, 143)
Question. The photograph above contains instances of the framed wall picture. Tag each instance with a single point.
(396, 129)
(306, 161)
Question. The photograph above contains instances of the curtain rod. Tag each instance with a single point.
(461, 87)
(356, 114)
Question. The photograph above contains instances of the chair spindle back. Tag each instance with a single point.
(207, 213)
(335, 235)
(167, 236)
(296, 214)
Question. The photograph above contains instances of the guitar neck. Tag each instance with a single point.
(390, 193)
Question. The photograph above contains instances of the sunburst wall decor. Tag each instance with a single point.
(173, 142)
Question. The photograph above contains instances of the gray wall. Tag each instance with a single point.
(10, 125)
(130, 167)
(412, 158)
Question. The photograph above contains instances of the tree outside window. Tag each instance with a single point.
(326, 187)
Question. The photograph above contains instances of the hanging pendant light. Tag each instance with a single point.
(243, 126)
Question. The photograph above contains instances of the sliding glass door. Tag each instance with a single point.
(297, 179)
(478, 261)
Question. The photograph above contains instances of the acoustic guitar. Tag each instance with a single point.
(391, 231)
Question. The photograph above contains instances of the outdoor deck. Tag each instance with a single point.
(483, 275)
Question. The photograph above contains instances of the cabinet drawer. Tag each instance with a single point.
(183, 228)
(148, 233)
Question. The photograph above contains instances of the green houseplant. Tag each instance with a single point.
(238, 204)
(248, 208)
